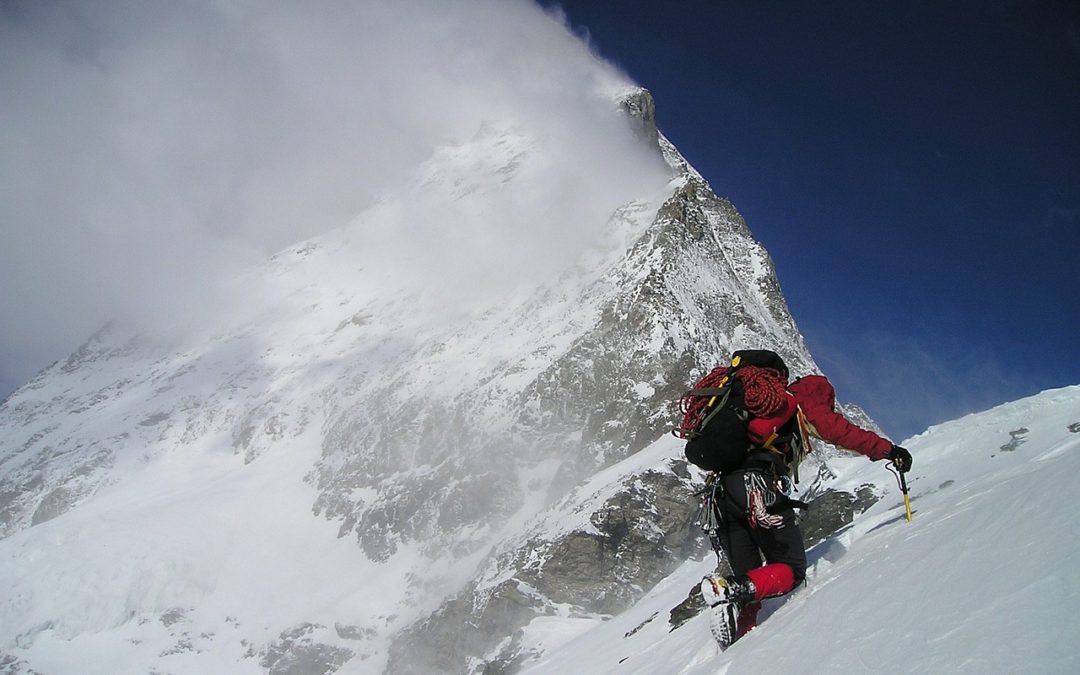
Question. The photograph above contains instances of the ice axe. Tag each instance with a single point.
(903, 487)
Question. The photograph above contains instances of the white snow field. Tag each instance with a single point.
(982, 580)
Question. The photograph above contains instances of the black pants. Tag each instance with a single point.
(746, 546)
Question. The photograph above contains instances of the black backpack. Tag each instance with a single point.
(715, 416)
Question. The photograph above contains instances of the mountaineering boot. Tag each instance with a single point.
(737, 589)
(726, 596)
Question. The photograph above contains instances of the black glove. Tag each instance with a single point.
(901, 458)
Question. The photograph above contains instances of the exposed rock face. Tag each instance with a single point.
(295, 652)
(832, 510)
(10, 665)
(639, 533)
(693, 605)
(631, 540)
(642, 110)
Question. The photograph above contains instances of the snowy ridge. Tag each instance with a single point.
(574, 513)
(980, 581)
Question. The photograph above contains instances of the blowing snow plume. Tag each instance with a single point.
(149, 151)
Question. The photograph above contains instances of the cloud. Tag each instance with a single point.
(149, 150)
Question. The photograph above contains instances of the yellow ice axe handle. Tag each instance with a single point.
(904, 489)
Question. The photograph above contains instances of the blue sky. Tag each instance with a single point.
(912, 167)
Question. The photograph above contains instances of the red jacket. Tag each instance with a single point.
(817, 399)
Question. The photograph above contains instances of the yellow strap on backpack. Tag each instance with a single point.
(734, 363)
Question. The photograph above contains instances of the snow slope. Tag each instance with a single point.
(982, 580)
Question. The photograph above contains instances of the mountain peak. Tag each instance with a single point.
(416, 394)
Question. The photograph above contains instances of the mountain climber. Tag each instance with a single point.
(756, 518)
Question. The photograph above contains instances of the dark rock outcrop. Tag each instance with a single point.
(636, 538)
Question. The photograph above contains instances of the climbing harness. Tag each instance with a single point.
(760, 497)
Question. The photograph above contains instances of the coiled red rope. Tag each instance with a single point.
(763, 389)
(763, 395)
